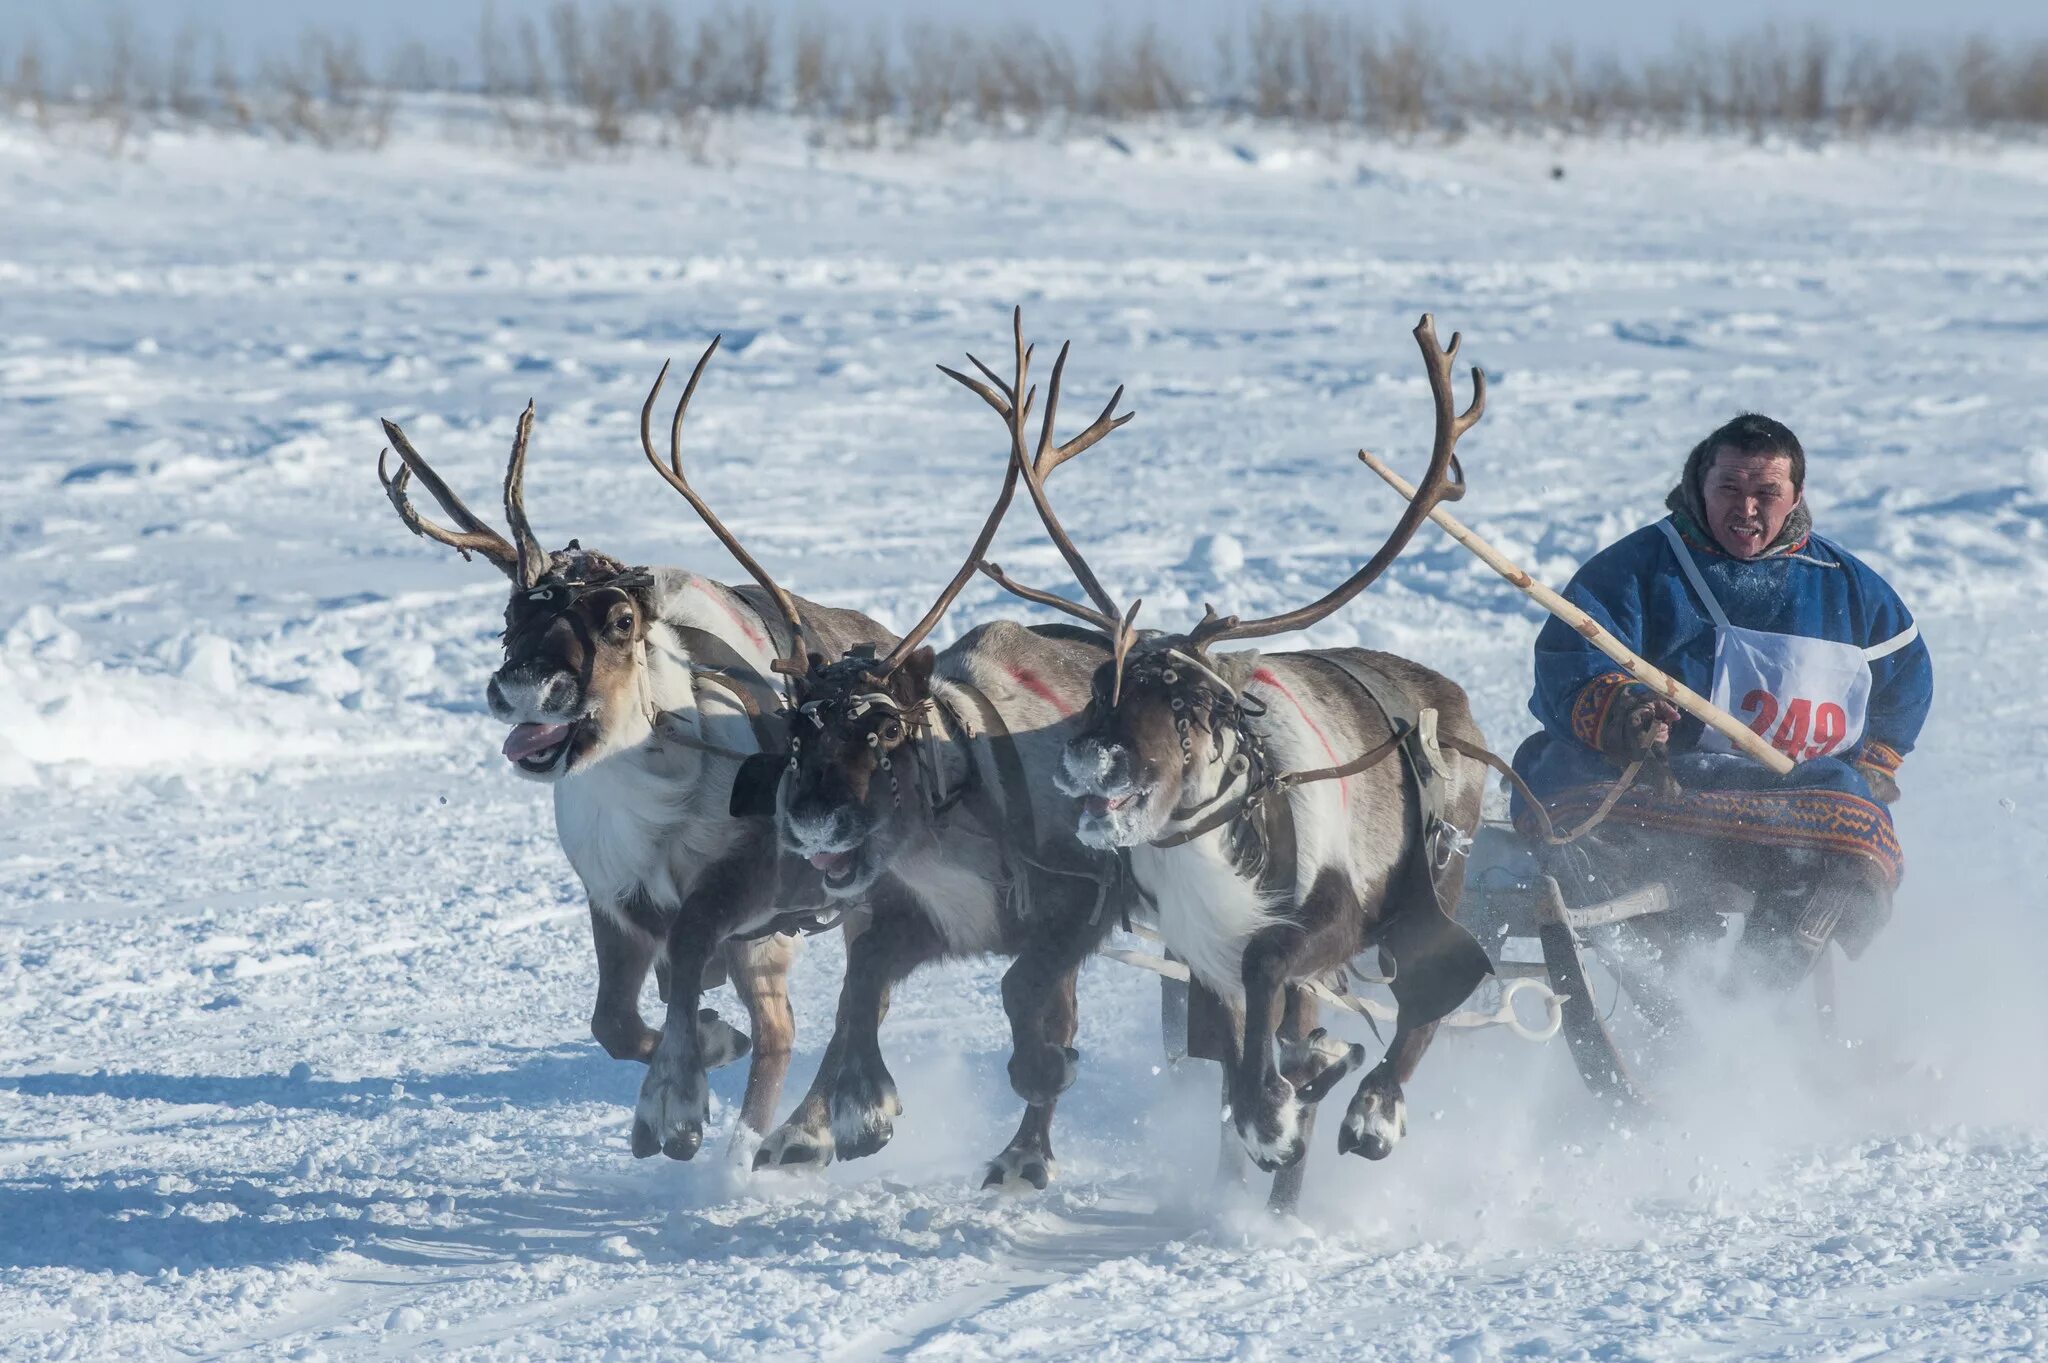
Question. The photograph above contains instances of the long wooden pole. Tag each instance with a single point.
(1681, 695)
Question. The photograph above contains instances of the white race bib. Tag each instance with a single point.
(1808, 698)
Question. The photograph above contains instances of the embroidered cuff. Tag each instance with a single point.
(1595, 698)
(1880, 756)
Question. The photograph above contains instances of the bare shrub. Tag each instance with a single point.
(1022, 73)
(872, 97)
(26, 84)
(1269, 53)
(1403, 75)
(817, 80)
(325, 95)
(730, 60)
(937, 75)
(1138, 76)
(2028, 92)
(586, 75)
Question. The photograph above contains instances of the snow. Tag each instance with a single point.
(294, 981)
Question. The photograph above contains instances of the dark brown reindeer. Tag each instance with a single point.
(636, 693)
(1262, 812)
(924, 783)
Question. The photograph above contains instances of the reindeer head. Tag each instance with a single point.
(862, 783)
(1168, 727)
(572, 681)
(860, 787)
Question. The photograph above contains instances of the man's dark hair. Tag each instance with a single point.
(1751, 434)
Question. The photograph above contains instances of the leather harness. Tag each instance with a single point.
(1436, 961)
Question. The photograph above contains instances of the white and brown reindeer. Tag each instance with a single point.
(922, 783)
(637, 694)
(1260, 807)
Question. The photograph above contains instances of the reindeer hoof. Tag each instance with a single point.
(1015, 1168)
(1374, 1124)
(675, 1102)
(1271, 1130)
(718, 1041)
(1316, 1063)
(864, 1108)
(794, 1147)
(1042, 1073)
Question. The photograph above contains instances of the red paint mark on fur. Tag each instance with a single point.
(754, 636)
(1265, 677)
(1035, 684)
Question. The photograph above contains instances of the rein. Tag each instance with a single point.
(1222, 811)
(1549, 834)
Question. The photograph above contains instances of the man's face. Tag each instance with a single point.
(1748, 497)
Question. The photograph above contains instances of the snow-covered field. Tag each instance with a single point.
(294, 981)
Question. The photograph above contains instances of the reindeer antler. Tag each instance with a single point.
(1444, 482)
(1003, 397)
(475, 536)
(672, 473)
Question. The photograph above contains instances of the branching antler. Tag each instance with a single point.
(475, 535)
(532, 559)
(1003, 397)
(1444, 482)
(672, 473)
(1048, 457)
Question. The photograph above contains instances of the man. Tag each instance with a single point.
(1734, 595)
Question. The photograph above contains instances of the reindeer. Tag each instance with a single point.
(922, 783)
(1269, 859)
(637, 693)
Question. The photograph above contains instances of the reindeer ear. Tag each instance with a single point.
(912, 680)
(753, 789)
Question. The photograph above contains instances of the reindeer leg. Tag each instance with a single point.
(862, 1098)
(624, 953)
(804, 1140)
(1028, 1158)
(1295, 1029)
(1378, 1115)
(760, 976)
(1262, 1103)
(1042, 1062)
(675, 1098)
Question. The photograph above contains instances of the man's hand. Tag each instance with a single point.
(1638, 726)
(1883, 784)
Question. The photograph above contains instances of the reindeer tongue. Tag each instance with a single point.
(831, 863)
(527, 739)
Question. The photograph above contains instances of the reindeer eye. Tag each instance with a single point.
(892, 731)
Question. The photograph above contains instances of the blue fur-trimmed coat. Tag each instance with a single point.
(1637, 590)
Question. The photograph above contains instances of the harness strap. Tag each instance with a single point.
(1352, 768)
(1213, 814)
(713, 660)
(1550, 834)
(939, 806)
(1015, 823)
(1414, 730)
(1222, 809)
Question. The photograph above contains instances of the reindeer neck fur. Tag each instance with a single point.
(642, 823)
(1210, 903)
